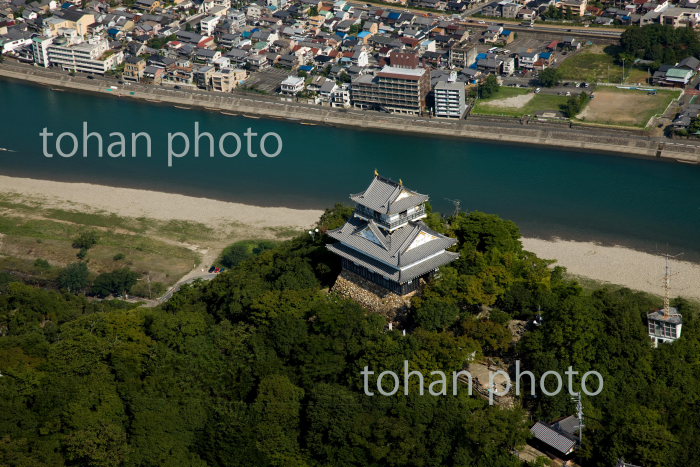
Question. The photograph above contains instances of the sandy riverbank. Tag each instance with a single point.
(615, 265)
(157, 205)
(619, 265)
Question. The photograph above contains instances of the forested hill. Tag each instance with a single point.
(261, 366)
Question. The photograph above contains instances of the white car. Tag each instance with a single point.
(537, 90)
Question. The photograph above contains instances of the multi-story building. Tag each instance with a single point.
(237, 19)
(386, 242)
(69, 19)
(226, 80)
(393, 89)
(292, 85)
(93, 56)
(462, 55)
(134, 68)
(576, 7)
(450, 99)
(340, 97)
(202, 76)
(40, 48)
(208, 25)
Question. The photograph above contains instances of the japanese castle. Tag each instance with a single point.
(386, 242)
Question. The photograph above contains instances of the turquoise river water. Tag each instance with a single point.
(650, 205)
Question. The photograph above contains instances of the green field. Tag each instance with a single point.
(539, 102)
(594, 65)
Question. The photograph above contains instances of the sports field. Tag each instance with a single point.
(626, 107)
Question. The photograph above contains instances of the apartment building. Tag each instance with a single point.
(208, 25)
(93, 56)
(40, 49)
(393, 89)
(450, 100)
(463, 55)
(226, 80)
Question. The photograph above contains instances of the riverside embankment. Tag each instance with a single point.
(617, 141)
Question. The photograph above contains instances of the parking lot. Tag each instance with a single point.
(267, 80)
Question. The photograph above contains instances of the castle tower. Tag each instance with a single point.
(386, 243)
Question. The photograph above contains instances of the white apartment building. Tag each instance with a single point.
(450, 101)
(237, 18)
(208, 25)
(93, 56)
(40, 48)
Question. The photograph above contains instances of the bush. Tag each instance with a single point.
(575, 104)
(489, 87)
(549, 77)
(85, 240)
(41, 263)
(74, 277)
(118, 257)
(116, 282)
(234, 254)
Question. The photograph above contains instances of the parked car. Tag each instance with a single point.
(537, 90)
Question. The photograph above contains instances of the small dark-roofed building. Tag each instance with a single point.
(690, 63)
(559, 443)
(71, 15)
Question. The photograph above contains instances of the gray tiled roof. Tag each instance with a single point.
(391, 248)
(552, 438)
(381, 196)
(568, 425)
(400, 276)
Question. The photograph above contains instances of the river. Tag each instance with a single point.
(648, 205)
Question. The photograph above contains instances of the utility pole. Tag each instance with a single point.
(579, 415)
(623, 71)
(457, 204)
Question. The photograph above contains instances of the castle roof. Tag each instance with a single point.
(400, 248)
(388, 197)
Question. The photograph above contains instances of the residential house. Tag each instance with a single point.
(528, 59)
(134, 68)
(292, 85)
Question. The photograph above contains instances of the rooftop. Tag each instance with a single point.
(388, 197)
(673, 317)
(553, 438)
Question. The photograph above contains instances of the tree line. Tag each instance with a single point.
(261, 366)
